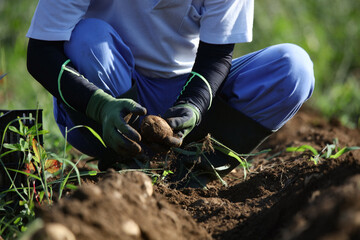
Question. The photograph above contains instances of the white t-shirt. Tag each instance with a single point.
(163, 35)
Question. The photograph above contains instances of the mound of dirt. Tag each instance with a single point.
(284, 196)
(121, 207)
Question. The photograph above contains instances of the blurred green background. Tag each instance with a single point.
(328, 30)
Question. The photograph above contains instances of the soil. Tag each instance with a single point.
(285, 195)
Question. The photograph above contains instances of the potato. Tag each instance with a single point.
(155, 129)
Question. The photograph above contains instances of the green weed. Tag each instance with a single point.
(39, 166)
(330, 151)
(210, 144)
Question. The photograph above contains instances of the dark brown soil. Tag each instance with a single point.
(284, 196)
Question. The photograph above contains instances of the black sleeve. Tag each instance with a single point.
(44, 61)
(213, 63)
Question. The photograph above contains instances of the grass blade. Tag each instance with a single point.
(303, 148)
(344, 150)
(92, 131)
(25, 173)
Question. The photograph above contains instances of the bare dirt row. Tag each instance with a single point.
(284, 196)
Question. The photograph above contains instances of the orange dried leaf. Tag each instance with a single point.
(35, 149)
(29, 168)
(52, 165)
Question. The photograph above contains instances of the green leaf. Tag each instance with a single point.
(255, 153)
(14, 129)
(344, 150)
(166, 172)
(64, 180)
(25, 173)
(230, 153)
(13, 146)
(330, 149)
(92, 131)
(92, 173)
(215, 172)
(42, 132)
(17, 220)
(302, 148)
(96, 135)
(22, 128)
(315, 159)
(154, 180)
(34, 130)
(71, 186)
(24, 145)
(41, 196)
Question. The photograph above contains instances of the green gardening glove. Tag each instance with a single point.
(110, 113)
(182, 118)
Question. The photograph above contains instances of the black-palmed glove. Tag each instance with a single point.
(182, 118)
(192, 103)
(110, 113)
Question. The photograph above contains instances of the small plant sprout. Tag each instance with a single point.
(36, 162)
(39, 166)
(209, 145)
(330, 151)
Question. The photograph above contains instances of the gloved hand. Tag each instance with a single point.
(182, 118)
(110, 113)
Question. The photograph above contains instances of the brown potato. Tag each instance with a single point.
(155, 129)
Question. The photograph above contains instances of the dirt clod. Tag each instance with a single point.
(53, 231)
(131, 228)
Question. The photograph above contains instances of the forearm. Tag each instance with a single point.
(45, 60)
(212, 65)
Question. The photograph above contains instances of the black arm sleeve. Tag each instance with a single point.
(213, 62)
(44, 61)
